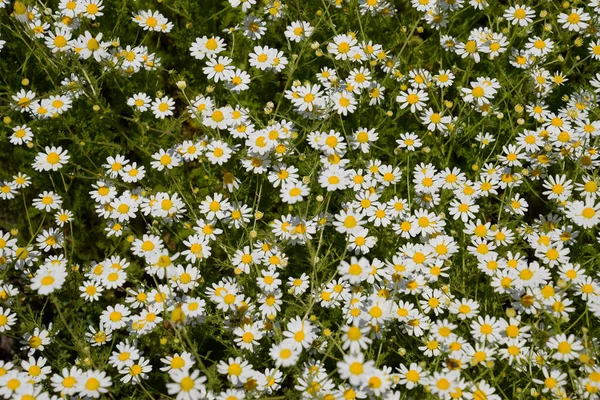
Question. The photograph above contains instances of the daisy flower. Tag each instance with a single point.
(207, 47)
(7, 190)
(464, 309)
(91, 46)
(285, 354)
(70, 8)
(415, 98)
(131, 173)
(566, 347)
(298, 30)
(93, 383)
(341, 46)
(150, 20)
(576, 21)
(48, 279)
(52, 159)
(7, 319)
(343, 103)
(293, 192)
(37, 370)
(163, 107)
(59, 104)
(47, 201)
(253, 27)
(91, 290)
(354, 368)
(238, 81)
(21, 135)
(219, 69)
(186, 385)
(584, 213)
(468, 49)
(141, 101)
(519, 15)
(136, 372)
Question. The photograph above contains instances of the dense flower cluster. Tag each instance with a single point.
(305, 207)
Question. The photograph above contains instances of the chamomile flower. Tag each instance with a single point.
(51, 159)
(163, 107)
(183, 362)
(37, 370)
(253, 27)
(63, 217)
(238, 81)
(48, 279)
(7, 190)
(87, 46)
(131, 173)
(293, 192)
(22, 134)
(343, 103)
(66, 381)
(218, 69)
(298, 285)
(341, 46)
(298, 31)
(247, 336)
(575, 21)
(136, 372)
(47, 201)
(7, 319)
(539, 47)
(91, 290)
(584, 213)
(464, 309)
(35, 341)
(566, 347)
(59, 40)
(141, 101)
(354, 368)
(363, 138)
(468, 49)
(115, 317)
(93, 383)
(218, 152)
(521, 15)
(285, 354)
(415, 98)
(207, 47)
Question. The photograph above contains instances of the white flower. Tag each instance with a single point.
(163, 107)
